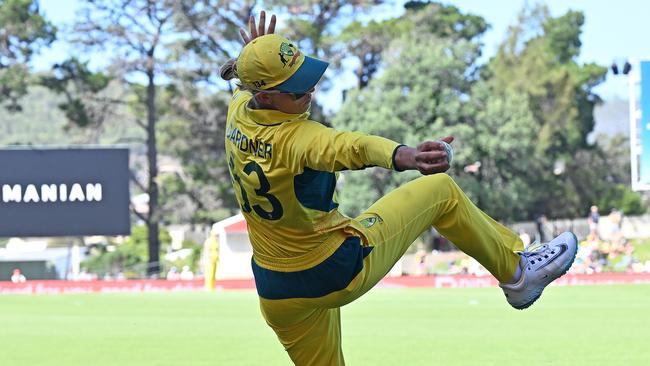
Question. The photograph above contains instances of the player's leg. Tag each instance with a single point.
(396, 220)
(300, 305)
(311, 336)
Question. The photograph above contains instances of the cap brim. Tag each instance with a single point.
(305, 78)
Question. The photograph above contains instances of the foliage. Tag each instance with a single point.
(211, 36)
(84, 103)
(195, 137)
(419, 96)
(422, 93)
(538, 61)
(503, 131)
(41, 122)
(368, 41)
(623, 198)
(197, 106)
(129, 258)
(193, 260)
(136, 31)
(641, 249)
(24, 32)
(524, 117)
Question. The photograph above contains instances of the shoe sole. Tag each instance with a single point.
(564, 271)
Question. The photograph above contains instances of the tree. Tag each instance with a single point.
(196, 137)
(538, 60)
(602, 176)
(213, 37)
(198, 98)
(136, 32)
(422, 94)
(523, 118)
(24, 31)
(501, 133)
(128, 258)
(86, 101)
(198, 101)
(367, 42)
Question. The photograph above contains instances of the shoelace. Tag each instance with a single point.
(536, 250)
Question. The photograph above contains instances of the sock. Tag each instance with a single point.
(517, 276)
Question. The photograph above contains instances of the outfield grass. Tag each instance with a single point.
(591, 325)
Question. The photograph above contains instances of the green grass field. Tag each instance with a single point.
(591, 325)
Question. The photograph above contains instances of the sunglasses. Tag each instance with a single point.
(294, 96)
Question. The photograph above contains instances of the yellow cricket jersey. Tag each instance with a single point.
(283, 168)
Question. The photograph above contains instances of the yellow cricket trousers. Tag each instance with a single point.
(303, 307)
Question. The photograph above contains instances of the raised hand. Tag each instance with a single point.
(257, 31)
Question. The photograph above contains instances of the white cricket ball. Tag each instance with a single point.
(449, 150)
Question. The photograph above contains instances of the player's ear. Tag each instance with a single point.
(264, 98)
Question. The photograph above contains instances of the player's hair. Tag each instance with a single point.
(228, 71)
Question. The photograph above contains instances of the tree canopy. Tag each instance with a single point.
(24, 31)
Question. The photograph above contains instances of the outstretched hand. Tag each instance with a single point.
(429, 157)
(257, 31)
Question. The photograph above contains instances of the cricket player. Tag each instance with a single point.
(211, 247)
(308, 258)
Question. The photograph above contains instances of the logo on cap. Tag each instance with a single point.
(289, 50)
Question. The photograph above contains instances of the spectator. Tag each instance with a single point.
(173, 274)
(84, 275)
(18, 277)
(616, 220)
(593, 219)
(186, 274)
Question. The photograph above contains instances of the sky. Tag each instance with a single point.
(613, 31)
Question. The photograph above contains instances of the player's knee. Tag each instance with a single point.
(440, 180)
(442, 184)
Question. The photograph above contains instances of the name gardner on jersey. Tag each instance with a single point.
(246, 144)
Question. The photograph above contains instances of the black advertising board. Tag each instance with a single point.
(64, 192)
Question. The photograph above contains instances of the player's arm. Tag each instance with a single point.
(322, 148)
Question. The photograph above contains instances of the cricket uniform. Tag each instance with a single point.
(308, 258)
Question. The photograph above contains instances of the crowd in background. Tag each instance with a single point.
(609, 253)
(594, 256)
(598, 252)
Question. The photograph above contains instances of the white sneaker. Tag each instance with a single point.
(540, 265)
